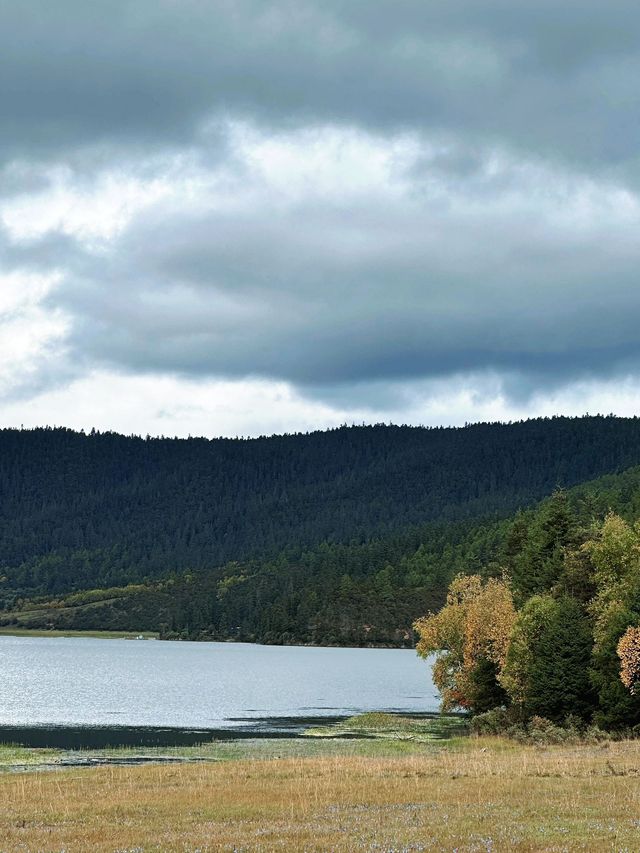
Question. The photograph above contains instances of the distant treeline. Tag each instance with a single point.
(344, 536)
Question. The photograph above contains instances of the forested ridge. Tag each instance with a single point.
(343, 536)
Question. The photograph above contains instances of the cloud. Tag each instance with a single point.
(143, 73)
(28, 333)
(354, 202)
(329, 256)
(170, 406)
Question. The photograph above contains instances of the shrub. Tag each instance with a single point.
(495, 722)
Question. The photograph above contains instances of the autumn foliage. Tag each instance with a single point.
(572, 649)
(629, 654)
(470, 637)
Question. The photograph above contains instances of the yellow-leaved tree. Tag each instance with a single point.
(470, 637)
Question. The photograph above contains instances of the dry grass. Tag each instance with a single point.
(487, 796)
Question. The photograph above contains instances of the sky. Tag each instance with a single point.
(244, 217)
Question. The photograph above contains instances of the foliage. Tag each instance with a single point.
(131, 508)
(470, 635)
(629, 654)
(547, 667)
(574, 648)
(344, 537)
(616, 707)
(538, 563)
(493, 722)
(614, 553)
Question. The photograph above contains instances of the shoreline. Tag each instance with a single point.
(6, 631)
(95, 635)
(58, 747)
(98, 736)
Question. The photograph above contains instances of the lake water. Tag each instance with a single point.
(90, 682)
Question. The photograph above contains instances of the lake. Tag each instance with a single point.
(93, 682)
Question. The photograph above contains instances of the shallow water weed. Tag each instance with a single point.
(378, 725)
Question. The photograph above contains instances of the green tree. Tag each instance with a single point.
(539, 563)
(614, 553)
(547, 665)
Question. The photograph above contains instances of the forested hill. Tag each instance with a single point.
(342, 536)
(147, 507)
(359, 593)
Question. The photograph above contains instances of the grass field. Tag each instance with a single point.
(100, 635)
(467, 794)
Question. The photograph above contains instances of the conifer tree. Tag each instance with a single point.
(547, 665)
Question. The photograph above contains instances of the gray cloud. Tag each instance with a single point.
(553, 79)
(480, 277)
(507, 243)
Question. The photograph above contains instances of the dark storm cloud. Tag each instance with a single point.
(559, 79)
(507, 243)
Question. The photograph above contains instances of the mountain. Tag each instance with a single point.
(341, 536)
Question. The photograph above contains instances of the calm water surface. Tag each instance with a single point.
(82, 681)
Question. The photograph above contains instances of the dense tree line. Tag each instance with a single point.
(350, 594)
(109, 509)
(353, 593)
(553, 631)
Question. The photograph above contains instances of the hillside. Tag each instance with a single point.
(343, 536)
(356, 594)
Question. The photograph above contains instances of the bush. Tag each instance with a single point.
(543, 731)
(495, 722)
(593, 734)
(540, 730)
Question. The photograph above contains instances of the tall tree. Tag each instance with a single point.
(539, 563)
(546, 672)
(614, 553)
(470, 637)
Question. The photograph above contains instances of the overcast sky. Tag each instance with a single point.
(234, 217)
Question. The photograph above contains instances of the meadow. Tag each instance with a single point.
(378, 794)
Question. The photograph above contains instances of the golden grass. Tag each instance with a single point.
(488, 796)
